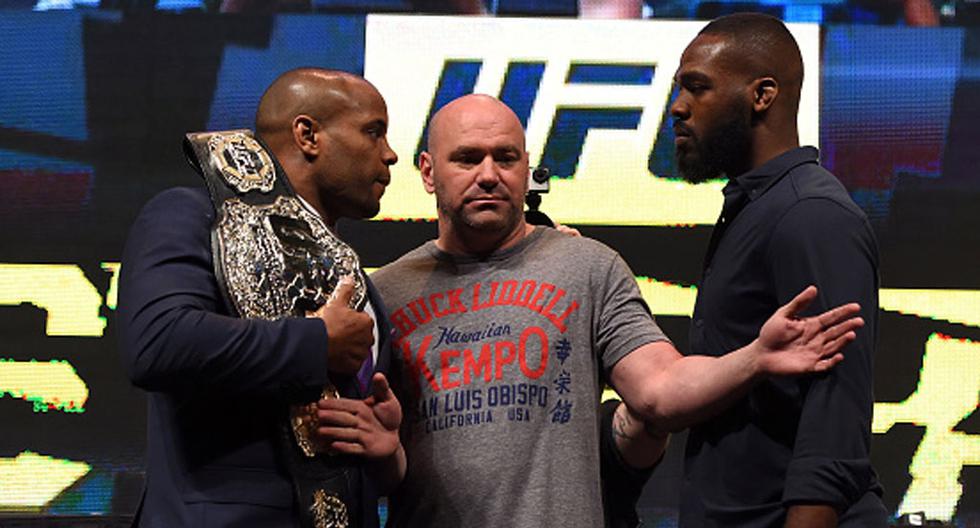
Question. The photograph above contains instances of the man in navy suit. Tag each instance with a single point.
(218, 385)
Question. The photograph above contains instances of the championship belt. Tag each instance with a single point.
(275, 258)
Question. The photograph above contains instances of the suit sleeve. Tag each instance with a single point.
(175, 332)
(821, 242)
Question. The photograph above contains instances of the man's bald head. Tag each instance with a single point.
(328, 130)
(761, 46)
(467, 112)
(315, 92)
(477, 167)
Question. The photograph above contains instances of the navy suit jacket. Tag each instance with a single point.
(218, 386)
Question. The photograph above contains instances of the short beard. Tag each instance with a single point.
(504, 225)
(465, 223)
(718, 150)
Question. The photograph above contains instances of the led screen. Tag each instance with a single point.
(92, 115)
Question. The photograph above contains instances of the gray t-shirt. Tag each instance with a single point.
(497, 363)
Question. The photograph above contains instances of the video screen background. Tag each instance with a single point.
(888, 12)
(94, 104)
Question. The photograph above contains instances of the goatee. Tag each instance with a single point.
(717, 150)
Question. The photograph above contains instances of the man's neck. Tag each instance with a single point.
(772, 145)
(305, 188)
(330, 222)
(467, 242)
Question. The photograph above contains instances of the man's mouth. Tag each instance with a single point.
(484, 200)
(682, 135)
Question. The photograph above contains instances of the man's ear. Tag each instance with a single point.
(425, 167)
(304, 135)
(764, 93)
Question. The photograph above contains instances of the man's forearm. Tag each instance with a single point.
(639, 447)
(388, 472)
(700, 387)
(690, 389)
(672, 392)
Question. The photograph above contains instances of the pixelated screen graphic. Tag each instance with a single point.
(92, 116)
(914, 13)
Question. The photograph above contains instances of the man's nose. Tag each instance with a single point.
(679, 108)
(487, 175)
(388, 155)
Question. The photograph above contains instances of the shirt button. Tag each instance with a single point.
(699, 323)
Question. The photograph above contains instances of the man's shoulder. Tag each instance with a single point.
(582, 247)
(179, 213)
(819, 207)
(417, 260)
(814, 185)
(179, 200)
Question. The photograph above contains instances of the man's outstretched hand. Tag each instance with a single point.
(367, 427)
(798, 345)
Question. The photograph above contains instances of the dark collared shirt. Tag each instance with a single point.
(785, 225)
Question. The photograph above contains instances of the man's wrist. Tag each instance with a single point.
(636, 440)
(390, 470)
(384, 460)
(756, 357)
(655, 432)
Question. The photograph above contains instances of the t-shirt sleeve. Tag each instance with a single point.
(830, 463)
(623, 321)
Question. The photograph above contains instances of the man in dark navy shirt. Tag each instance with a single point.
(791, 452)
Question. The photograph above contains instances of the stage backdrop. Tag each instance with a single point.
(93, 106)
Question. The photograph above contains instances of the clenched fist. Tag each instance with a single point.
(349, 332)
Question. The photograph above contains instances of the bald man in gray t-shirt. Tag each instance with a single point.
(506, 332)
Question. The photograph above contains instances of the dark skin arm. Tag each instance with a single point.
(349, 332)
(811, 516)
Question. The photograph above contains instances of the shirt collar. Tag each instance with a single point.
(757, 181)
(309, 207)
(312, 210)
